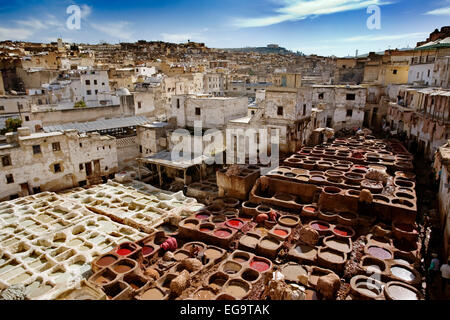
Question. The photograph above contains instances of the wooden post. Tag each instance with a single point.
(160, 175)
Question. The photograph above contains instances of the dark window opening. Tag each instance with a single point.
(82, 183)
(81, 167)
(351, 96)
(88, 82)
(349, 113)
(304, 109)
(95, 82)
(56, 146)
(57, 168)
(36, 190)
(81, 145)
(280, 111)
(178, 103)
(37, 149)
(139, 105)
(6, 161)
(321, 95)
(198, 112)
(27, 118)
(9, 179)
(89, 92)
(395, 71)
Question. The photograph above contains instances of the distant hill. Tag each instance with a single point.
(271, 49)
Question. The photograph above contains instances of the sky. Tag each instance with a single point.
(323, 27)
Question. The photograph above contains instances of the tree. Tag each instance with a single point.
(11, 125)
(80, 104)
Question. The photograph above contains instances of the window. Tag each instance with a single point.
(9, 179)
(19, 106)
(6, 161)
(253, 113)
(81, 166)
(57, 168)
(36, 190)
(429, 73)
(350, 113)
(280, 111)
(351, 96)
(304, 109)
(37, 149)
(27, 118)
(103, 83)
(198, 112)
(88, 82)
(96, 91)
(140, 149)
(395, 71)
(56, 146)
(95, 82)
(89, 92)
(321, 96)
(81, 145)
(2, 108)
(139, 105)
(178, 103)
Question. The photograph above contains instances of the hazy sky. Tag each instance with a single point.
(324, 27)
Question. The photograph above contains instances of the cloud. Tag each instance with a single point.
(37, 24)
(180, 37)
(294, 10)
(440, 12)
(118, 30)
(85, 11)
(373, 38)
(15, 34)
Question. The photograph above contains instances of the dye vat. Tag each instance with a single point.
(222, 233)
(260, 265)
(153, 294)
(403, 273)
(379, 253)
(293, 272)
(237, 288)
(401, 291)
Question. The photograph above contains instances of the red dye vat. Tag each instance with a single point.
(311, 209)
(235, 223)
(222, 233)
(282, 233)
(319, 226)
(205, 230)
(342, 232)
(202, 216)
(124, 252)
(147, 250)
(260, 265)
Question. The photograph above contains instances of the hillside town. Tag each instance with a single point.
(328, 179)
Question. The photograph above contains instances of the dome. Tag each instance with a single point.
(123, 92)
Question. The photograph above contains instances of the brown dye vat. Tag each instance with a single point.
(104, 277)
(293, 272)
(289, 221)
(181, 255)
(339, 244)
(379, 253)
(250, 241)
(231, 267)
(306, 251)
(270, 244)
(204, 294)
(237, 288)
(106, 261)
(218, 280)
(213, 254)
(373, 265)
(241, 257)
(135, 282)
(153, 294)
(250, 275)
(332, 256)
